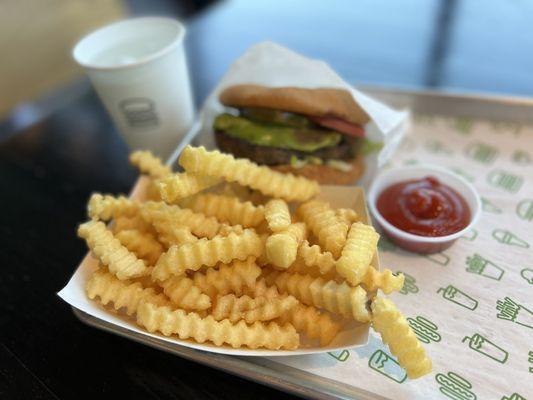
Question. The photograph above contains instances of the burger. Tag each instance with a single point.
(316, 133)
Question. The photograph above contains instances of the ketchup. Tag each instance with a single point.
(424, 207)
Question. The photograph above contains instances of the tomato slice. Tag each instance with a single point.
(339, 125)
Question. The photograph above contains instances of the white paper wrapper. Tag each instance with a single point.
(270, 64)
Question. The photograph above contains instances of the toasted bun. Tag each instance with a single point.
(326, 175)
(317, 102)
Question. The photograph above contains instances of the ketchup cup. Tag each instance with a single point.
(417, 243)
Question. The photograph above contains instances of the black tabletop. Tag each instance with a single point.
(48, 170)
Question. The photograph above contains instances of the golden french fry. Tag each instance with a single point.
(251, 309)
(125, 294)
(357, 254)
(184, 184)
(313, 256)
(191, 256)
(309, 320)
(346, 215)
(282, 247)
(226, 209)
(143, 244)
(107, 207)
(384, 280)
(329, 230)
(277, 215)
(225, 230)
(306, 319)
(329, 295)
(149, 164)
(160, 214)
(213, 163)
(185, 294)
(120, 261)
(403, 343)
(231, 278)
(127, 223)
(271, 336)
(170, 234)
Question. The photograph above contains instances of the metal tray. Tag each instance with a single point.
(292, 380)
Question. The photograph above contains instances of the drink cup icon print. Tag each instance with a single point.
(484, 346)
(458, 297)
(388, 366)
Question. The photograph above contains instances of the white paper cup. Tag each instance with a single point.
(139, 70)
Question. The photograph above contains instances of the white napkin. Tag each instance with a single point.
(270, 64)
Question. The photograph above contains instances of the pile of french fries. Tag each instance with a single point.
(215, 254)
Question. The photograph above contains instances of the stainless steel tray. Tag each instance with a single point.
(292, 380)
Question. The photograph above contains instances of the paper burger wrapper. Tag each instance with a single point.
(269, 64)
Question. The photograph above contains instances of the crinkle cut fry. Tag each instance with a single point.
(277, 215)
(314, 256)
(396, 332)
(125, 294)
(108, 249)
(228, 278)
(213, 163)
(329, 295)
(106, 207)
(149, 164)
(191, 256)
(177, 186)
(226, 209)
(306, 319)
(160, 214)
(185, 294)
(357, 253)
(384, 280)
(251, 309)
(321, 219)
(282, 247)
(163, 319)
(143, 244)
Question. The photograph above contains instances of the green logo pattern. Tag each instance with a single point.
(514, 396)
(510, 310)
(527, 274)
(341, 356)
(481, 152)
(484, 346)
(454, 295)
(387, 365)
(521, 157)
(455, 386)
(409, 284)
(489, 207)
(481, 266)
(524, 210)
(424, 329)
(506, 237)
(505, 180)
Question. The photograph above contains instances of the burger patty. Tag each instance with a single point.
(265, 155)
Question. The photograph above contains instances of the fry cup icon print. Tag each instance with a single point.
(476, 264)
(458, 297)
(484, 346)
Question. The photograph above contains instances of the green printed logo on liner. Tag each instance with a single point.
(521, 157)
(424, 329)
(464, 174)
(409, 283)
(481, 266)
(481, 152)
(510, 310)
(505, 180)
(451, 293)
(489, 207)
(484, 346)
(471, 235)
(386, 365)
(527, 274)
(439, 258)
(514, 396)
(506, 237)
(437, 147)
(530, 360)
(455, 386)
(464, 125)
(524, 210)
(340, 355)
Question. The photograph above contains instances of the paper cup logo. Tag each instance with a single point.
(458, 297)
(484, 346)
(139, 112)
(388, 366)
